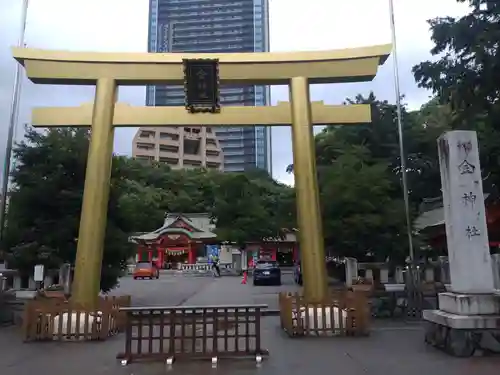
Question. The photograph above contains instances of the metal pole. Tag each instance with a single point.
(14, 115)
(400, 130)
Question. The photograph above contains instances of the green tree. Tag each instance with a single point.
(359, 169)
(432, 120)
(360, 217)
(465, 76)
(380, 140)
(44, 209)
(251, 207)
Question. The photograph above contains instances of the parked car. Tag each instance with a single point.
(266, 272)
(297, 274)
(146, 270)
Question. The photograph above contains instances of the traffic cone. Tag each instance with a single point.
(245, 275)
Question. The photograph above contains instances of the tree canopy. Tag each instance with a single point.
(44, 207)
(465, 77)
(359, 172)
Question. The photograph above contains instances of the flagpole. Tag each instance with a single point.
(14, 115)
(400, 130)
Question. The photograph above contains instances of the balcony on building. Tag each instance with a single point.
(148, 134)
(145, 149)
(169, 150)
(171, 161)
(169, 138)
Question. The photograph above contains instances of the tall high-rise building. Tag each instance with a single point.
(209, 26)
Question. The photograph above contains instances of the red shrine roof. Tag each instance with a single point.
(195, 226)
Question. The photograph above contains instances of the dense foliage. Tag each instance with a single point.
(466, 77)
(44, 209)
(359, 174)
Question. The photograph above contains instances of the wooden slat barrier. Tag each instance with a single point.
(61, 320)
(345, 314)
(192, 332)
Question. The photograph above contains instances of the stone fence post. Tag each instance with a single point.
(351, 271)
(444, 268)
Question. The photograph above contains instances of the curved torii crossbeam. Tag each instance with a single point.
(109, 70)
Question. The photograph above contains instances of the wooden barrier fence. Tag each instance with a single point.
(192, 332)
(345, 314)
(61, 320)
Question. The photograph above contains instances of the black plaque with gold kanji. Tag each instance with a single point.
(201, 85)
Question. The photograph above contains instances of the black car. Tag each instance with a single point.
(266, 272)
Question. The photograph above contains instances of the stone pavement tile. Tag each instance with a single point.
(224, 290)
(74, 358)
(229, 290)
(13, 351)
(398, 349)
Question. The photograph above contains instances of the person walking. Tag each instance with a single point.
(216, 266)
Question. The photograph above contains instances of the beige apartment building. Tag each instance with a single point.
(179, 146)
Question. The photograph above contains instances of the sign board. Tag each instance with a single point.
(201, 85)
(38, 274)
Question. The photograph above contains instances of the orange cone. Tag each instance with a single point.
(245, 275)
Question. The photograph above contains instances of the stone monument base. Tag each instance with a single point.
(469, 304)
(464, 324)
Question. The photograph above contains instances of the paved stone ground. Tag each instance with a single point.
(230, 291)
(393, 347)
(169, 290)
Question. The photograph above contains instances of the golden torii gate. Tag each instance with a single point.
(107, 71)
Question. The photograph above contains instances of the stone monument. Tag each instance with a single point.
(469, 313)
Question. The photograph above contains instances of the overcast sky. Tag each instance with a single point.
(121, 25)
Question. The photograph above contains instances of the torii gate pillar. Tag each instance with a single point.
(307, 194)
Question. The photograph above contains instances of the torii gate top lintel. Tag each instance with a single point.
(268, 68)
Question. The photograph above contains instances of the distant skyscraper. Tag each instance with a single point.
(216, 26)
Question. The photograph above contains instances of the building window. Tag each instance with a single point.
(147, 134)
(169, 161)
(168, 148)
(169, 136)
(145, 146)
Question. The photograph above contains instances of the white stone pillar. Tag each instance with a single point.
(429, 275)
(351, 271)
(369, 274)
(16, 282)
(244, 260)
(384, 275)
(444, 270)
(399, 275)
(464, 212)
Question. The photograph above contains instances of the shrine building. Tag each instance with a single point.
(185, 239)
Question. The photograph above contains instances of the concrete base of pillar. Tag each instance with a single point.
(462, 335)
(455, 321)
(469, 304)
